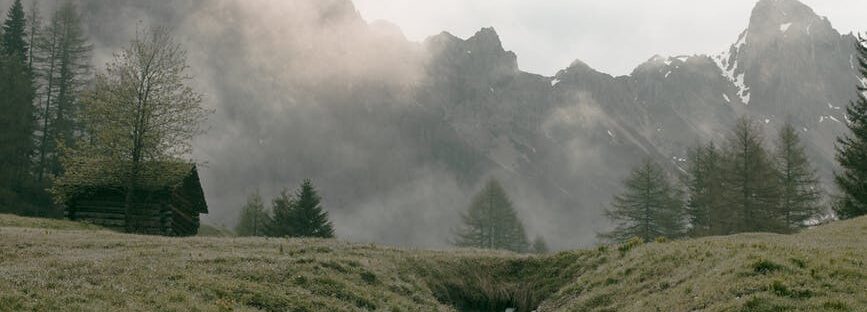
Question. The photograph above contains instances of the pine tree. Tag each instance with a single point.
(282, 223)
(308, 217)
(61, 61)
(16, 127)
(650, 207)
(491, 222)
(14, 42)
(751, 185)
(705, 213)
(254, 219)
(852, 152)
(539, 246)
(801, 194)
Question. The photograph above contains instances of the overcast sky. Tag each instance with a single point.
(612, 36)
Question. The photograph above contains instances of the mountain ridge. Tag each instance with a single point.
(398, 134)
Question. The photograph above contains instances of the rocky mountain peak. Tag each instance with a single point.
(483, 53)
(785, 18)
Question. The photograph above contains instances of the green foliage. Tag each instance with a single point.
(301, 215)
(16, 122)
(852, 152)
(18, 192)
(254, 220)
(13, 41)
(650, 207)
(744, 188)
(704, 208)
(801, 193)
(491, 222)
(750, 182)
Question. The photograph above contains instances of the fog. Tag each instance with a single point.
(398, 134)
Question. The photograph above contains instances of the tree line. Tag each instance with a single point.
(44, 66)
(298, 214)
(490, 222)
(736, 188)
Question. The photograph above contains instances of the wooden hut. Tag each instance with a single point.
(168, 205)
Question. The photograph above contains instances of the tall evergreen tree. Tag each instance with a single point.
(14, 40)
(751, 184)
(852, 152)
(62, 64)
(705, 212)
(16, 127)
(282, 223)
(309, 218)
(650, 207)
(491, 222)
(800, 191)
(301, 215)
(254, 219)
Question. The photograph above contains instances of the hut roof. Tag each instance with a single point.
(92, 176)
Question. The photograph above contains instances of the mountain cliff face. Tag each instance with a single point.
(399, 134)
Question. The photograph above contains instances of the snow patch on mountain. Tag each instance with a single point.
(555, 82)
(728, 64)
(785, 27)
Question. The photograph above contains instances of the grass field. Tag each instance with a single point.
(64, 266)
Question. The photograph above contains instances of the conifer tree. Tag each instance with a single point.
(254, 219)
(751, 184)
(281, 223)
(705, 213)
(14, 41)
(309, 218)
(16, 127)
(650, 207)
(491, 222)
(61, 61)
(800, 192)
(301, 215)
(852, 152)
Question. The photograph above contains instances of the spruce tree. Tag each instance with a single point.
(751, 184)
(14, 42)
(281, 224)
(800, 192)
(308, 217)
(650, 207)
(254, 220)
(852, 152)
(16, 128)
(491, 222)
(705, 213)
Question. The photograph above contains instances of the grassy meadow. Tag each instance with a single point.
(50, 265)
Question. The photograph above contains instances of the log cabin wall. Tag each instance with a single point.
(152, 213)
